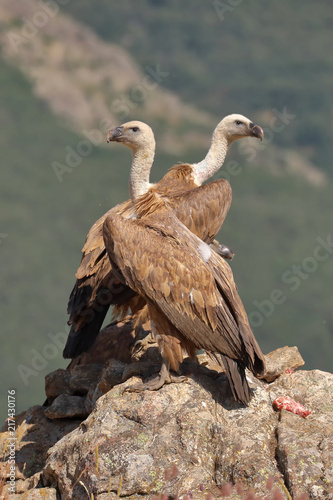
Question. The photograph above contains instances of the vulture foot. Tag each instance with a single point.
(144, 368)
(141, 344)
(155, 383)
(225, 252)
(222, 250)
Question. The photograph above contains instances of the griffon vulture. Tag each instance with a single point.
(202, 208)
(191, 296)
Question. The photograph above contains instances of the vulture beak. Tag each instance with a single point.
(256, 131)
(114, 134)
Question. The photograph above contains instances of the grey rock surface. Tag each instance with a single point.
(187, 441)
(67, 406)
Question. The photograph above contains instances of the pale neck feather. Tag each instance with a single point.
(213, 160)
(139, 176)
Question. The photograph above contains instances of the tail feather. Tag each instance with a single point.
(82, 340)
(254, 358)
(235, 372)
(242, 336)
(87, 312)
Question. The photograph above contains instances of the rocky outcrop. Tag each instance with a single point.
(188, 440)
(35, 435)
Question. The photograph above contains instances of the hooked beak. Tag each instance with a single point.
(257, 131)
(114, 134)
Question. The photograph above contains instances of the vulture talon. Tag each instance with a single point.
(141, 344)
(225, 252)
(222, 250)
(155, 383)
(139, 368)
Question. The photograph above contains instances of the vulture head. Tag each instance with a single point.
(236, 126)
(135, 135)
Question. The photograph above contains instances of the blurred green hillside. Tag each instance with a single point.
(235, 55)
(258, 59)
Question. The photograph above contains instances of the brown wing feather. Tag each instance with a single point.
(170, 341)
(96, 288)
(176, 279)
(95, 269)
(93, 251)
(202, 209)
(177, 180)
(252, 356)
(194, 303)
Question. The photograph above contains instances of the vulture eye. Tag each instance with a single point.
(135, 129)
(238, 122)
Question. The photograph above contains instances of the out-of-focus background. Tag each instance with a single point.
(71, 70)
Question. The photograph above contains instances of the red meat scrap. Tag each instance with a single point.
(286, 403)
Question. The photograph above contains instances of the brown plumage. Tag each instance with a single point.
(192, 299)
(202, 208)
